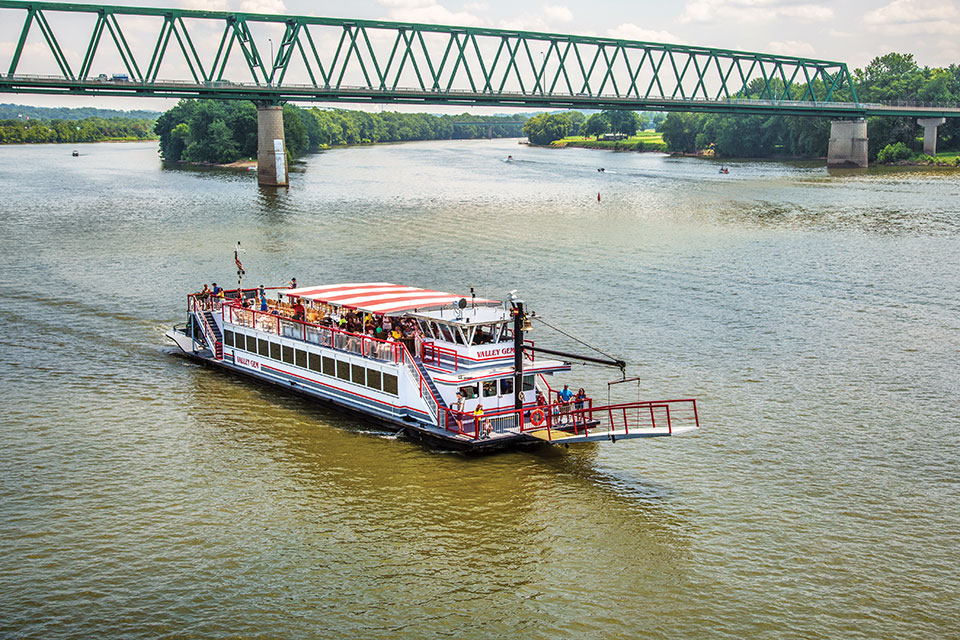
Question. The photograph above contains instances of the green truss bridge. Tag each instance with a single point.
(81, 49)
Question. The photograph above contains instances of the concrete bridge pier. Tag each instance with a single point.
(848, 143)
(271, 148)
(930, 134)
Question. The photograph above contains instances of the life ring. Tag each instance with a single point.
(537, 416)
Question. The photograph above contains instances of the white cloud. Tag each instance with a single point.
(910, 17)
(557, 13)
(429, 11)
(263, 6)
(630, 31)
(792, 48)
(753, 11)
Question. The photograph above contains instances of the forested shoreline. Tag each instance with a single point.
(892, 77)
(94, 129)
(222, 132)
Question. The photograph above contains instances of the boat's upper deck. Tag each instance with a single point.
(451, 334)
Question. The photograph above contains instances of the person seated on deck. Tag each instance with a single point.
(245, 302)
(298, 311)
(487, 429)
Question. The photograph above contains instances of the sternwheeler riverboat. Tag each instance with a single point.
(453, 371)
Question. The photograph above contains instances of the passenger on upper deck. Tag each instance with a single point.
(298, 310)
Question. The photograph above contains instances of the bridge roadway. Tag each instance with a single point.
(267, 93)
(363, 61)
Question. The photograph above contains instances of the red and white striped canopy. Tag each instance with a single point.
(379, 297)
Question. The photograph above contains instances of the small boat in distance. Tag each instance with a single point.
(452, 372)
(76, 153)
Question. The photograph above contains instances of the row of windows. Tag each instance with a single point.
(355, 373)
(489, 388)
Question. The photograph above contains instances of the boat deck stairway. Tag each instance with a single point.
(211, 329)
(430, 383)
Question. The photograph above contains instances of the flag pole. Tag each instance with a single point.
(240, 271)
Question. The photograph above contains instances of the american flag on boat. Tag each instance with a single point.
(381, 297)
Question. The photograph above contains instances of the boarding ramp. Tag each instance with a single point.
(560, 423)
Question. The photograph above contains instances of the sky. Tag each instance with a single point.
(851, 31)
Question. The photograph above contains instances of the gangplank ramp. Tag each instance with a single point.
(628, 421)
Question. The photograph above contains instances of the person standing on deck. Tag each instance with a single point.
(478, 415)
(458, 407)
(565, 396)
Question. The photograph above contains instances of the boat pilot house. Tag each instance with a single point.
(449, 369)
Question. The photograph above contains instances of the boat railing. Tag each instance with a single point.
(355, 343)
(435, 354)
(562, 419)
(210, 335)
(614, 418)
(423, 388)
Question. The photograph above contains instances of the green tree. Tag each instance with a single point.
(680, 131)
(596, 125)
(544, 128)
(624, 122)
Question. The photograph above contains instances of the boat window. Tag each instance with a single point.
(373, 379)
(445, 333)
(287, 354)
(390, 383)
(359, 374)
(275, 350)
(424, 327)
(469, 392)
(528, 383)
(435, 330)
(468, 333)
(489, 388)
(343, 370)
(247, 343)
(506, 334)
(301, 358)
(228, 338)
(459, 336)
(314, 362)
(484, 334)
(329, 366)
(263, 347)
(506, 386)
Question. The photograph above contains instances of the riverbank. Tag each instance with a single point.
(644, 141)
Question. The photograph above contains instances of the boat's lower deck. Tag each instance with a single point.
(395, 420)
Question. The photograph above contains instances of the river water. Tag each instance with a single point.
(814, 316)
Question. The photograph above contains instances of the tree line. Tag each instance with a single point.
(891, 77)
(544, 128)
(223, 131)
(18, 130)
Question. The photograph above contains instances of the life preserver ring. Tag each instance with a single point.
(537, 416)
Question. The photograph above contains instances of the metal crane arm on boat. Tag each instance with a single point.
(620, 364)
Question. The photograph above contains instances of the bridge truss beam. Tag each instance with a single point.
(329, 59)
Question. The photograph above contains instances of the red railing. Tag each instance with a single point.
(356, 343)
(431, 352)
(590, 420)
(192, 304)
(430, 398)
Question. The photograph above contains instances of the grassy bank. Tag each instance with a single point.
(643, 141)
